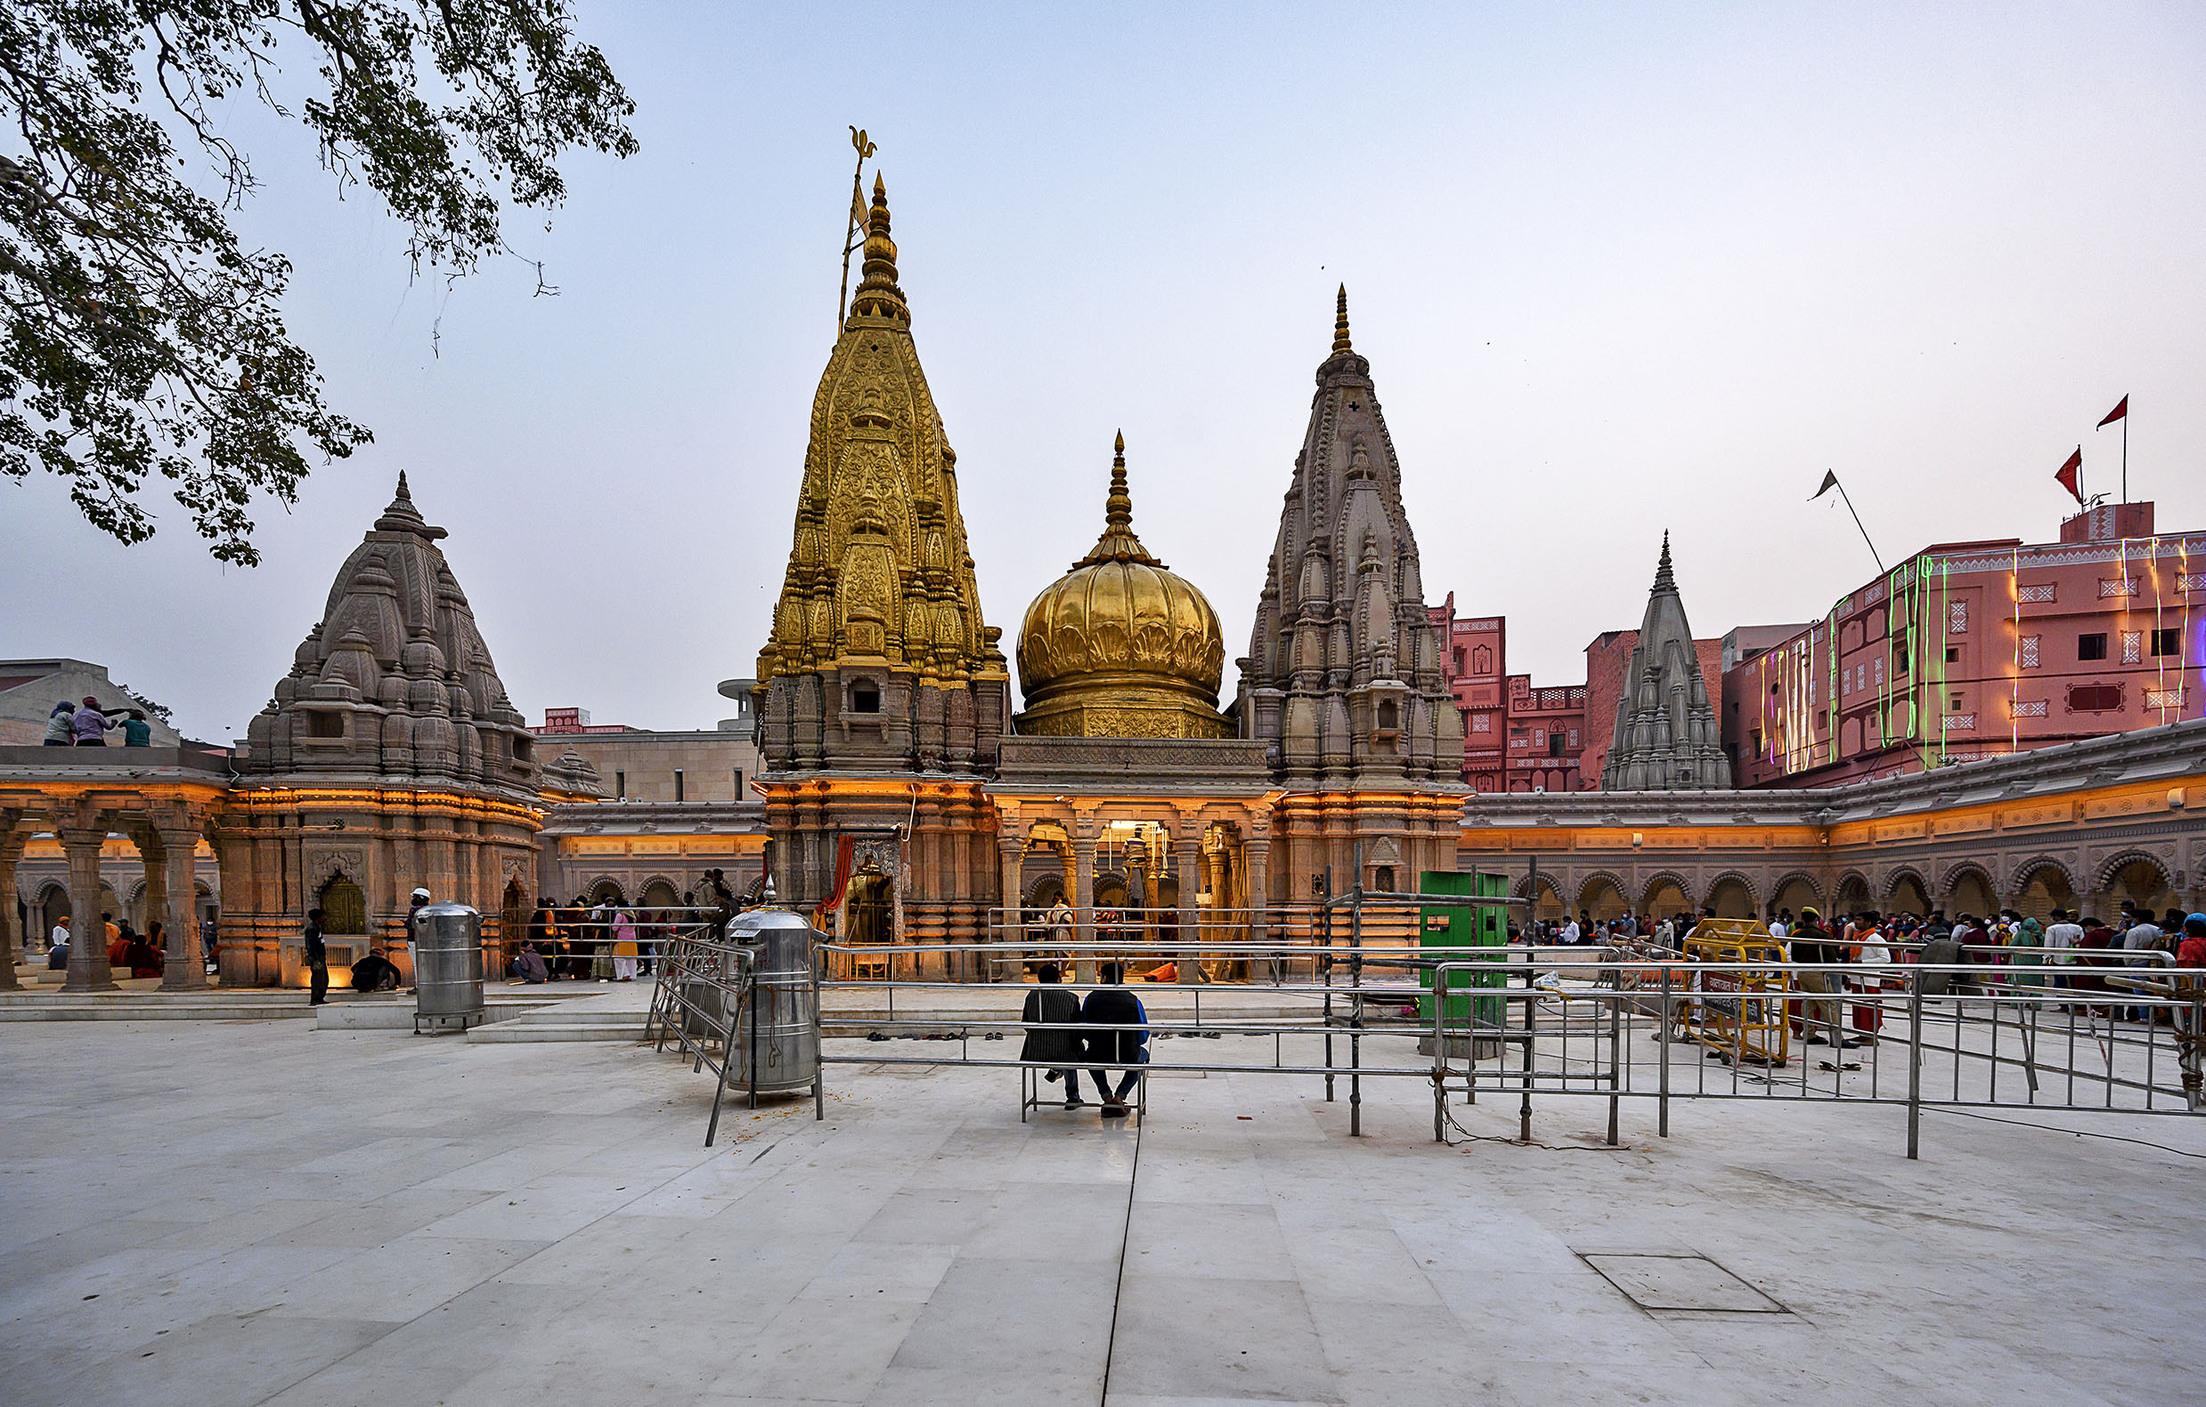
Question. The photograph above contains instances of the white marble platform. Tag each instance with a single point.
(259, 1213)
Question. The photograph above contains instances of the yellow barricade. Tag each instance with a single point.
(1742, 1012)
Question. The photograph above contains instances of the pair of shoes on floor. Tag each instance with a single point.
(1076, 1104)
(1112, 1109)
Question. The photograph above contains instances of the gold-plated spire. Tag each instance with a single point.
(878, 294)
(1118, 543)
(1341, 345)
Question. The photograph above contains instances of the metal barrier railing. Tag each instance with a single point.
(703, 984)
(2038, 1036)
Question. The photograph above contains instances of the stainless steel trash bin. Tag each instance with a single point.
(778, 1028)
(448, 968)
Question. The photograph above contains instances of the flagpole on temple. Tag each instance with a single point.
(857, 218)
(2121, 413)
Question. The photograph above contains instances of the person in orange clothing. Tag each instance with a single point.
(118, 947)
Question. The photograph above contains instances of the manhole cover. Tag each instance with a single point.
(1680, 1283)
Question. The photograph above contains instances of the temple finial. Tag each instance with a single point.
(403, 491)
(1341, 344)
(1664, 580)
(1118, 542)
(878, 292)
(1118, 507)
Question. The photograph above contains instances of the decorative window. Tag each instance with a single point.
(2117, 586)
(1574, 737)
(1482, 660)
(2039, 594)
(1878, 666)
(2029, 651)
(2168, 640)
(2133, 647)
(2094, 698)
(2192, 581)
(1960, 722)
(1482, 723)
(2029, 708)
(1957, 617)
(2091, 646)
(2164, 698)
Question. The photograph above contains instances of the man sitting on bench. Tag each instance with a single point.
(1112, 1005)
(1055, 1010)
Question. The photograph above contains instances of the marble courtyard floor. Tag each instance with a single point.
(257, 1212)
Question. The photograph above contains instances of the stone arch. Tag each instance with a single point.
(134, 903)
(605, 890)
(49, 907)
(1046, 889)
(659, 891)
(2138, 876)
(1601, 894)
(1548, 902)
(1854, 893)
(2041, 885)
(1732, 895)
(1906, 891)
(1796, 891)
(1666, 892)
(1967, 888)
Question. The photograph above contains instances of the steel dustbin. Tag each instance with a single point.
(448, 968)
(777, 1032)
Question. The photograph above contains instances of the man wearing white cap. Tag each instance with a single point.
(420, 900)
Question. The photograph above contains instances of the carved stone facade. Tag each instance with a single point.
(389, 757)
(1343, 683)
(1667, 736)
(883, 695)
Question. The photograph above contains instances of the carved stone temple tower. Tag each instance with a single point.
(1667, 734)
(882, 695)
(389, 757)
(1343, 681)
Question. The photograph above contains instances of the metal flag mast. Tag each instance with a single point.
(851, 240)
(2121, 413)
(1830, 481)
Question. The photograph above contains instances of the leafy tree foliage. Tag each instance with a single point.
(140, 336)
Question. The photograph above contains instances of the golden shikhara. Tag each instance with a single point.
(1121, 646)
(879, 569)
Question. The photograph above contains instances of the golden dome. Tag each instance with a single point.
(1121, 646)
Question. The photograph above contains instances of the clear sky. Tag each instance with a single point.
(1617, 268)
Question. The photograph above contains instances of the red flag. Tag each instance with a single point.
(2070, 473)
(2120, 412)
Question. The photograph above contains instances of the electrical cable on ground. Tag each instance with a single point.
(2055, 1128)
(1118, 1292)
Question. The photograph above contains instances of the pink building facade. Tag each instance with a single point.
(1974, 649)
(1517, 736)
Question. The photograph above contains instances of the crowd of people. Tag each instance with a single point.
(87, 725)
(1054, 1013)
(129, 952)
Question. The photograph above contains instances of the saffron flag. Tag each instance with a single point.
(1830, 481)
(2071, 474)
(2120, 412)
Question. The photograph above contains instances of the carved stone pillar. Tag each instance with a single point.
(1257, 852)
(1011, 924)
(155, 899)
(1083, 905)
(185, 968)
(12, 842)
(88, 970)
(1187, 859)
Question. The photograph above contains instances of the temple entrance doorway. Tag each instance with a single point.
(344, 908)
(869, 909)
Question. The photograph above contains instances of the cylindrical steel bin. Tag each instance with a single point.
(448, 968)
(778, 1027)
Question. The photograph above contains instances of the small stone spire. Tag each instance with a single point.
(402, 516)
(403, 492)
(1664, 579)
(878, 294)
(1341, 344)
(1118, 542)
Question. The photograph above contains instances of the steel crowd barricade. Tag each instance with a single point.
(702, 985)
(2038, 1045)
